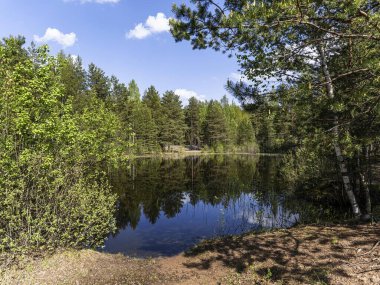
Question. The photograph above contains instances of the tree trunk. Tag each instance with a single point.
(368, 164)
(338, 152)
(367, 194)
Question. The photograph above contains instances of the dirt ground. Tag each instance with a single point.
(303, 255)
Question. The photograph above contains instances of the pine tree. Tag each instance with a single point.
(98, 82)
(215, 127)
(317, 47)
(144, 128)
(173, 120)
(233, 115)
(192, 119)
(245, 131)
(152, 100)
(72, 76)
(119, 92)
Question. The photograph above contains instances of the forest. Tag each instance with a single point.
(63, 126)
(309, 93)
(151, 122)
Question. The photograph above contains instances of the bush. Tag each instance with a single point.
(51, 191)
(218, 148)
(47, 204)
(304, 165)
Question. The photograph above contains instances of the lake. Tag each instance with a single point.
(167, 205)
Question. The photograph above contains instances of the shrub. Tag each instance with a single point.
(51, 191)
(47, 204)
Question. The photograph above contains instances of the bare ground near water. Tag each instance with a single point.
(302, 255)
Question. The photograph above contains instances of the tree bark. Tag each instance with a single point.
(367, 194)
(338, 152)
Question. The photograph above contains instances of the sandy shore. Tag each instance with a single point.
(338, 254)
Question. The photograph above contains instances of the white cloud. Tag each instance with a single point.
(309, 54)
(234, 76)
(158, 24)
(94, 1)
(74, 57)
(185, 95)
(139, 32)
(267, 82)
(153, 25)
(51, 34)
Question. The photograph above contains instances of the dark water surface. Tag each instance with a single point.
(167, 205)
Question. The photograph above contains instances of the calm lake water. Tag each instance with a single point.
(167, 205)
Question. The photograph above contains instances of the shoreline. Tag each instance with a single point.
(310, 254)
(200, 153)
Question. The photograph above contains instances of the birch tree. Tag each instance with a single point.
(327, 49)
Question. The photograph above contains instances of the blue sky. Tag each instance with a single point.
(104, 32)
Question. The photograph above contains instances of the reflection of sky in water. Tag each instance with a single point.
(170, 236)
(168, 205)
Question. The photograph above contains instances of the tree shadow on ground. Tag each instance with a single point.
(303, 254)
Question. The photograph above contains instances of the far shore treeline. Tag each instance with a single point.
(151, 122)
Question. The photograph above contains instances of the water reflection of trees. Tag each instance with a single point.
(162, 186)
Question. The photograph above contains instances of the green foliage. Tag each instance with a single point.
(173, 126)
(72, 76)
(215, 126)
(245, 132)
(268, 275)
(305, 166)
(218, 147)
(101, 136)
(192, 118)
(119, 97)
(51, 191)
(145, 129)
(152, 100)
(313, 72)
(98, 82)
(62, 126)
(133, 92)
(46, 204)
